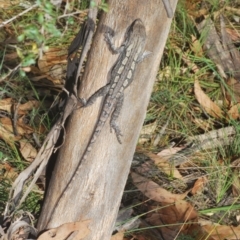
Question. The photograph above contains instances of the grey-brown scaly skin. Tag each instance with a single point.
(122, 74)
(131, 52)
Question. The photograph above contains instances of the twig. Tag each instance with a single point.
(87, 41)
(9, 73)
(213, 139)
(20, 14)
(70, 14)
(15, 116)
(36, 140)
(168, 8)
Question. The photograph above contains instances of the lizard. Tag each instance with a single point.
(131, 52)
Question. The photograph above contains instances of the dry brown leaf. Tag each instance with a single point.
(153, 191)
(198, 185)
(234, 111)
(162, 164)
(50, 65)
(160, 161)
(21, 127)
(118, 236)
(52, 57)
(29, 105)
(6, 104)
(28, 151)
(170, 170)
(221, 232)
(235, 183)
(234, 90)
(172, 219)
(7, 171)
(35, 70)
(169, 152)
(8, 136)
(61, 232)
(209, 106)
(6, 131)
(233, 34)
(165, 219)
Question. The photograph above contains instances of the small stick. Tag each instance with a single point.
(168, 8)
(9, 73)
(36, 140)
(20, 14)
(15, 116)
(70, 14)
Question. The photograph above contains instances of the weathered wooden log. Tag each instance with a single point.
(97, 190)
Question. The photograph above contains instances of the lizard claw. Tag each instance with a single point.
(108, 38)
(83, 101)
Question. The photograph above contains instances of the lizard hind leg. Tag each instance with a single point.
(114, 117)
(102, 92)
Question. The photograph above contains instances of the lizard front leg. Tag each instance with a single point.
(109, 40)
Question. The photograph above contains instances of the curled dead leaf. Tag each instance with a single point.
(161, 161)
(7, 104)
(219, 232)
(28, 106)
(8, 136)
(63, 231)
(172, 219)
(50, 65)
(153, 191)
(198, 185)
(7, 171)
(21, 127)
(234, 111)
(208, 105)
(28, 151)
